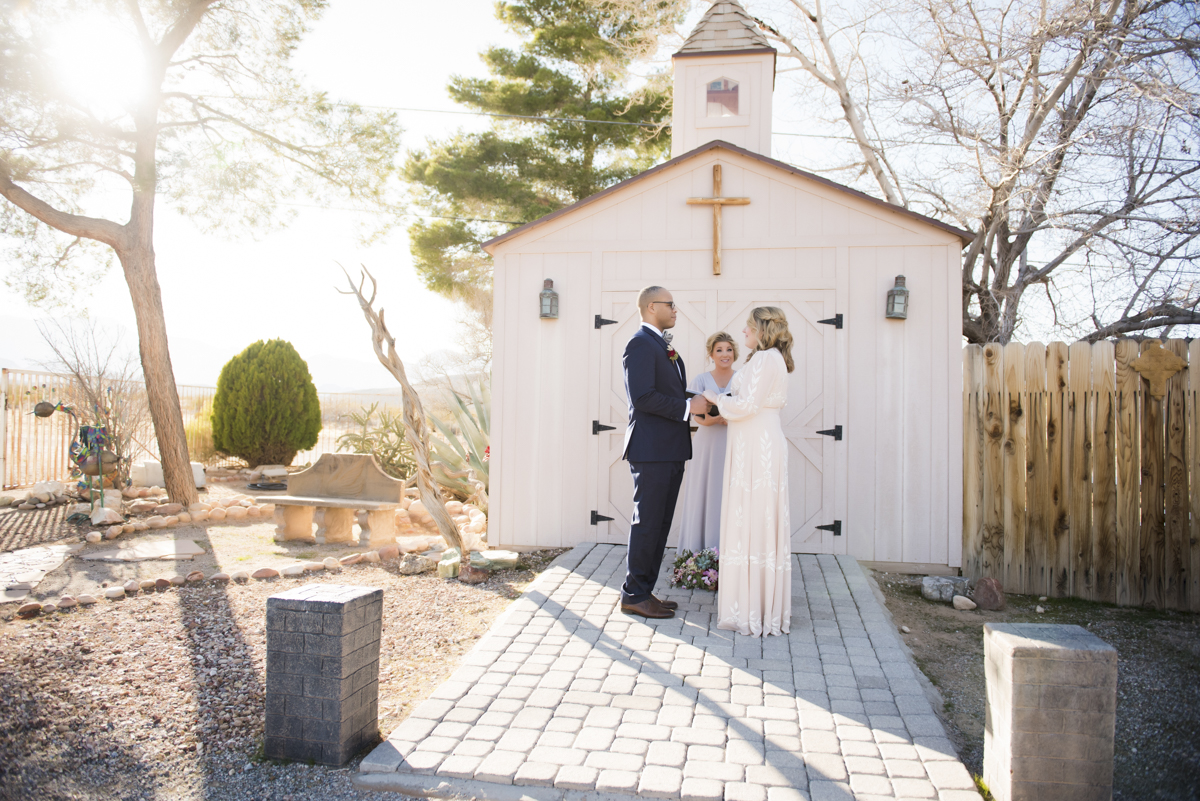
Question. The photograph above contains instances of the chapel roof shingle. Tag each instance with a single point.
(725, 26)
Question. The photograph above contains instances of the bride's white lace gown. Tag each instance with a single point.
(754, 596)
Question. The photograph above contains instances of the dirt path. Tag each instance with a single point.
(1158, 685)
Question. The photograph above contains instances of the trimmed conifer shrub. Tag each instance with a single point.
(265, 409)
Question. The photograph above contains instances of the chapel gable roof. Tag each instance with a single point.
(725, 27)
(964, 236)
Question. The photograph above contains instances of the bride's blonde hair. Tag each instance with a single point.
(771, 325)
(718, 337)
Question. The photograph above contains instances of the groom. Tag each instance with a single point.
(657, 443)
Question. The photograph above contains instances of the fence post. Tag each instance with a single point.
(3, 427)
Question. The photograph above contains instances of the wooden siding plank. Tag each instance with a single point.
(1129, 475)
(1104, 471)
(1014, 468)
(1057, 438)
(994, 413)
(1039, 511)
(920, 392)
(1153, 545)
(1176, 548)
(972, 551)
(1079, 407)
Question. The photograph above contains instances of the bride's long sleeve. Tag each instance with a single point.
(755, 387)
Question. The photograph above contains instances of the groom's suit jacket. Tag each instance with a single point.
(657, 430)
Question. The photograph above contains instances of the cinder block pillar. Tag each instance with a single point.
(323, 672)
(1051, 712)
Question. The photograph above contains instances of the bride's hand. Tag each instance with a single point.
(711, 396)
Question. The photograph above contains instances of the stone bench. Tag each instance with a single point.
(332, 492)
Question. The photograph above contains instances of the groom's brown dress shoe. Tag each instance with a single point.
(648, 608)
(672, 605)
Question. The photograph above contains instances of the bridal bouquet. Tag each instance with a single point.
(696, 571)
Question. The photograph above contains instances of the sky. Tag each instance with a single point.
(222, 294)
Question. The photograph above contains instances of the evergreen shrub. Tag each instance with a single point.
(266, 409)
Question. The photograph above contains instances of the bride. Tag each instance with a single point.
(754, 596)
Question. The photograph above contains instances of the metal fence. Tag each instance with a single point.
(35, 449)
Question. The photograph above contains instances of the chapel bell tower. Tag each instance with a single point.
(724, 80)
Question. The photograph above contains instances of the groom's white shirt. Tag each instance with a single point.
(686, 411)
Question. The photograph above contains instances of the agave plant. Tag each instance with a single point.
(457, 458)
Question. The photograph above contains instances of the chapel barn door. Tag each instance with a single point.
(810, 407)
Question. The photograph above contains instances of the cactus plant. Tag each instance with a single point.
(455, 456)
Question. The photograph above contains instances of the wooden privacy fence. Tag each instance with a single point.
(1077, 479)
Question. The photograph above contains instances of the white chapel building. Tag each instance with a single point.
(874, 413)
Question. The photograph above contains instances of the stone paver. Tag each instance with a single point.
(566, 694)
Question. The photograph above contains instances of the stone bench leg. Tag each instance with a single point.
(336, 525)
(294, 523)
(379, 528)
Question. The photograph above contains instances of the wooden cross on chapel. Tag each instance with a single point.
(716, 201)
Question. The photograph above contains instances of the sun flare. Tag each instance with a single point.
(98, 63)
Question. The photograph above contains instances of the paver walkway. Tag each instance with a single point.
(567, 698)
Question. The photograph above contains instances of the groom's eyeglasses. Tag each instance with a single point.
(670, 303)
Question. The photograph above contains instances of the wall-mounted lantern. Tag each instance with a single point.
(549, 300)
(897, 300)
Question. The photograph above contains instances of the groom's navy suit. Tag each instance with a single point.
(658, 441)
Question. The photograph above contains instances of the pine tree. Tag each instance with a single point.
(476, 186)
(265, 409)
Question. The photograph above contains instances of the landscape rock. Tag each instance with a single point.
(963, 603)
(132, 586)
(77, 509)
(412, 564)
(450, 564)
(495, 560)
(114, 593)
(371, 556)
(989, 595)
(469, 574)
(219, 578)
(235, 512)
(157, 521)
(128, 528)
(67, 601)
(351, 559)
(162, 583)
(49, 607)
(113, 532)
(1041, 610)
(183, 517)
(313, 566)
(167, 509)
(906, 629)
(292, 570)
(265, 573)
(389, 552)
(199, 517)
(29, 609)
(7, 500)
(943, 588)
(331, 564)
(195, 575)
(86, 600)
(171, 521)
(178, 580)
(93, 536)
(103, 516)
(240, 576)
(139, 525)
(198, 507)
(253, 511)
(217, 514)
(142, 506)
(266, 510)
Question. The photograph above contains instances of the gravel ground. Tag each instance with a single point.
(160, 695)
(1158, 679)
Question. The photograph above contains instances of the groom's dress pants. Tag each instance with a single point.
(655, 490)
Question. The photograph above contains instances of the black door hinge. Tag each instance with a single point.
(835, 432)
(835, 321)
(600, 322)
(835, 527)
(597, 517)
(597, 428)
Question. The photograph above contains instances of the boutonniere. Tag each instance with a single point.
(671, 354)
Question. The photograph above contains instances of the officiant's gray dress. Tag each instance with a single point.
(700, 524)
